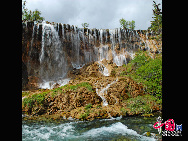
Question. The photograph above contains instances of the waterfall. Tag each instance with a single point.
(103, 69)
(57, 48)
(119, 60)
(104, 91)
(53, 62)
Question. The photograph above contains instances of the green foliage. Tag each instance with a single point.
(25, 93)
(127, 24)
(142, 104)
(123, 73)
(113, 73)
(131, 25)
(123, 111)
(147, 71)
(35, 98)
(85, 25)
(85, 84)
(88, 106)
(140, 59)
(28, 15)
(39, 98)
(74, 87)
(56, 91)
(123, 23)
(151, 75)
(156, 24)
(83, 116)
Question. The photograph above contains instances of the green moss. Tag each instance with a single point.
(83, 84)
(35, 98)
(148, 134)
(25, 93)
(142, 104)
(123, 111)
(84, 115)
(113, 73)
(123, 73)
(88, 106)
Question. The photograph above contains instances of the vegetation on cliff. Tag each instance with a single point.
(137, 91)
(143, 69)
(28, 15)
(127, 24)
(156, 24)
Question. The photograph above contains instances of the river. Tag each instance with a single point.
(127, 128)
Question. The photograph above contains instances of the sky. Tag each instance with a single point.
(99, 14)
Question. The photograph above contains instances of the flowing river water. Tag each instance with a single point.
(127, 128)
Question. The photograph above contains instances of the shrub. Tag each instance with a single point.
(143, 104)
(147, 71)
(36, 98)
(150, 74)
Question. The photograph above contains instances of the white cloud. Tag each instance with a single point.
(98, 13)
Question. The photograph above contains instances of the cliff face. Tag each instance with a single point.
(49, 51)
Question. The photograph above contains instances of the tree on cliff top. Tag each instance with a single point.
(156, 24)
(28, 15)
(85, 25)
(127, 24)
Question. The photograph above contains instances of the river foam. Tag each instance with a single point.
(79, 131)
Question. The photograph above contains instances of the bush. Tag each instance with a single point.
(28, 15)
(34, 99)
(150, 74)
(143, 104)
(147, 71)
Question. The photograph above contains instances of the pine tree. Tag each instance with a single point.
(156, 25)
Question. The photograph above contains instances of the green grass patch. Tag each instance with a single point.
(83, 84)
(35, 98)
(143, 104)
(26, 93)
(88, 106)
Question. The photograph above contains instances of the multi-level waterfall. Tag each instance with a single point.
(50, 50)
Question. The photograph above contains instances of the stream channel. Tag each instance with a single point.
(127, 128)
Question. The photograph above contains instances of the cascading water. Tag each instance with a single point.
(103, 69)
(104, 91)
(53, 62)
(64, 47)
